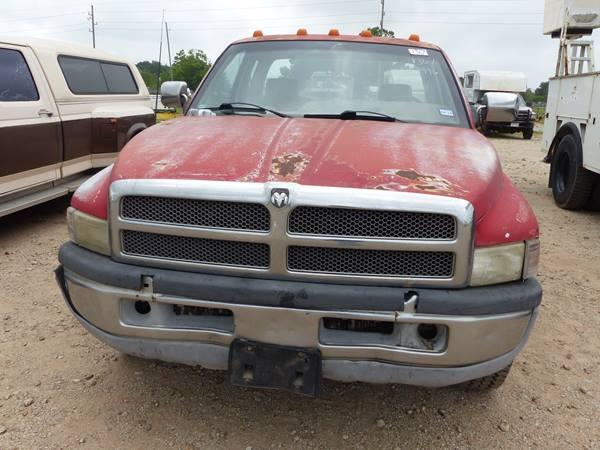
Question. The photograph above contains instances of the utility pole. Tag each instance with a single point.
(382, 14)
(162, 21)
(169, 49)
(94, 23)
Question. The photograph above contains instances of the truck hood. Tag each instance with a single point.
(437, 160)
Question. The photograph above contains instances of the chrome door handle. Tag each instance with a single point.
(45, 112)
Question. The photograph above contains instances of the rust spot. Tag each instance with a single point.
(430, 183)
(288, 166)
(410, 174)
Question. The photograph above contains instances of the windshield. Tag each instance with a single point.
(300, 78)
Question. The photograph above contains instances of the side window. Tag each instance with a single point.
(405, 84)
(469, 81)
(119, 79)
(89, 76)
(16, 82)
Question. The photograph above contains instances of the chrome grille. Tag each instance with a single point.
(204, 251)
(371, 262)
(201, 213)
(329, 234)
(371, 223)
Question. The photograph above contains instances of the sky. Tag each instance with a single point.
(476, 34)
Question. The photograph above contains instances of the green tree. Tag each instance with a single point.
(382, 32)
(148, 71)
(542, 90)
(190, 67)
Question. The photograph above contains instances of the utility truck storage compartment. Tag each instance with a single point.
(581, 16)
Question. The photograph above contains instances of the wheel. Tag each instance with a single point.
(485, 130)
(571, 183)
(493, 381)
(528, 133)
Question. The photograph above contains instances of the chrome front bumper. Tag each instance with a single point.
(476, 345)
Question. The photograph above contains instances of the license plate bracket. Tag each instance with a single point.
(271, 366)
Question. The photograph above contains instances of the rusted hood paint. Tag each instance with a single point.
(437, 160)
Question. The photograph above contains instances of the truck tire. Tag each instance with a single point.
(493, 381)
(485, 130)
(528, 134)
(571, 183)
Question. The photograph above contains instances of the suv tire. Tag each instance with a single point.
(493, 381)
(528, 133)
(571, 183)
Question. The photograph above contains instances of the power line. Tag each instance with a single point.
(29, 19)
(337, 2)
(362, 13)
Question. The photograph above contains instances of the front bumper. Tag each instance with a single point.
(482, 337)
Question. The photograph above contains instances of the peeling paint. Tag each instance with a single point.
(288, 166)
(429, 183)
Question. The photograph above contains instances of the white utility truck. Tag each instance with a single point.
(497, 103)
(572, 126)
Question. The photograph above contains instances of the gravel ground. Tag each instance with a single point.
(60, 388)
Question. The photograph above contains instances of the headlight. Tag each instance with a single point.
(88, 231)
(498, 264)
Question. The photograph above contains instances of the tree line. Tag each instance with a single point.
(190, 66)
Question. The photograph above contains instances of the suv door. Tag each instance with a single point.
(30, 134)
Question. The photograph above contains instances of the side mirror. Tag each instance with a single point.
(174, 93)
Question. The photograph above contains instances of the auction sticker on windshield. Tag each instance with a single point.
(418, 52)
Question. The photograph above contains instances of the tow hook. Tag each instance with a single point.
(411, 299)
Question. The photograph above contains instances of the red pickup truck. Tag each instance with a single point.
(325, 209)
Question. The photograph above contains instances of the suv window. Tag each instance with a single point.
(16, 82)
(90, 76)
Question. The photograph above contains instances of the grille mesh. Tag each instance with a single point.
(202, 213)
(371, 223)
(199, 250)
(371, 262)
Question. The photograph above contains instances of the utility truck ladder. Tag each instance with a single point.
(575, 57)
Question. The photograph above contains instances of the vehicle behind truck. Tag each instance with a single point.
(497, 103)
(572, 123)
(310, 217)
(65, 112)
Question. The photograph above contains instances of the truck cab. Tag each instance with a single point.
(311, 218)
(65, 112)
(497, 103)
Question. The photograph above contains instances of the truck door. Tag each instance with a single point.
(591, 144)
(30, 134)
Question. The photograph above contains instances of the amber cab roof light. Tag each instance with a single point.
(414, 37)
(257, 33)
(365, 33)
(301, 32)
(334, 32)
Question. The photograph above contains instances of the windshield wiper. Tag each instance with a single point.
(243, 106)
(356, 115)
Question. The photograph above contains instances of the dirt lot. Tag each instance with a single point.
(60, 388)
